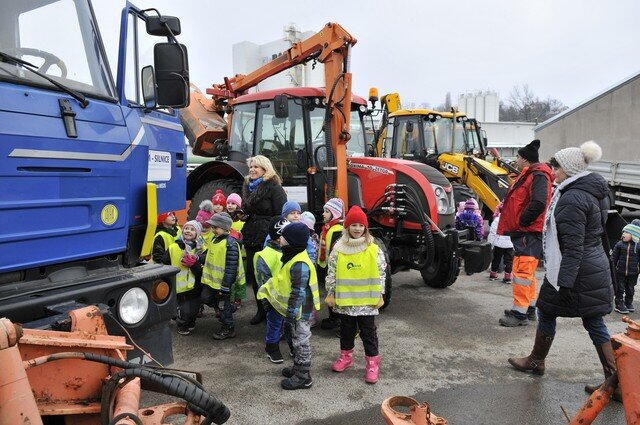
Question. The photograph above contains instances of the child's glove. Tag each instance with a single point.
(380, 303)
(330, 300)
(189, 260)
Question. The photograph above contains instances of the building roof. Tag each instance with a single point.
(292, 91)
(587, 102)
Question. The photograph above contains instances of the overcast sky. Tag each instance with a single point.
(565, 49)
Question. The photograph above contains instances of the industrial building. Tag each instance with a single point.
(506, 137)
(610, 118)
(248, 56)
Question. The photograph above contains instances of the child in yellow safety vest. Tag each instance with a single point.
(234, 209)
(355, 285)
(293, 294)
(187, 254)
(223, 272)
(166, 234)
(204, 214)
(332, 215)
(266, 264)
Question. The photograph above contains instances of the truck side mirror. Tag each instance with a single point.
(281, 106)
(149, 93)
(157, 25)
(172, 74)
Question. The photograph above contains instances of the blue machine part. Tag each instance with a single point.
(63, 198)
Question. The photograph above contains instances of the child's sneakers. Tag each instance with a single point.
(296, 381)
(344, 361)
(507, 278)
(493, 276)
(630, 307)
(225, 332)
(273, 353)
(621, 307)
(184, 330)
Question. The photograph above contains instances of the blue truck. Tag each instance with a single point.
(87, 163)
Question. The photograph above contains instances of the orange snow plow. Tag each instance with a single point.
(626, 348)
(82, 378)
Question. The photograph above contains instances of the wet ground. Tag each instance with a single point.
(440, 346)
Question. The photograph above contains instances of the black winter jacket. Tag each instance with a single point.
(260, 206)
(579, 214)
(625, 257)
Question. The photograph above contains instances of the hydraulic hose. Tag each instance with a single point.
(328, 139)
(202, 403)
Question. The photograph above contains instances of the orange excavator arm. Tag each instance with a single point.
(330, 46)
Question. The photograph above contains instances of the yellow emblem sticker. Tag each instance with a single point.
(109, 214)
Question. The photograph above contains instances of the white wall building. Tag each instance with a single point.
(248, 56)
(507, 137)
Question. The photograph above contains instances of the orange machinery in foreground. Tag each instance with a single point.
(626, 348)
(81, 378)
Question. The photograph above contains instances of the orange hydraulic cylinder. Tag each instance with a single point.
(626, 348)
(17, 404)
(128, 401)
(596, 402)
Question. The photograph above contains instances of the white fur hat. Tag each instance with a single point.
(576, 160)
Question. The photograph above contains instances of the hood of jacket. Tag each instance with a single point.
(592, 183)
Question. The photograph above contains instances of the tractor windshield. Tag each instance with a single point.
(60, 38)
(443, 128)
(357, 144)
(472, 138)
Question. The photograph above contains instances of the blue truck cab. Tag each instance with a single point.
(86, 164)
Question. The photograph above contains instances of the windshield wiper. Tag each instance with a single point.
(31, 67)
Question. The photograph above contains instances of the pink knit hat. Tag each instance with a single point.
(336, 206)
(234, 198)
(206, 211)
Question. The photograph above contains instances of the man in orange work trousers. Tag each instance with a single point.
(522, 219)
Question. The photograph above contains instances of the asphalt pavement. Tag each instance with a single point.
(443, 346)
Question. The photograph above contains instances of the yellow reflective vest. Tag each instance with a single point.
(237, 225)
(185, 279)
(214, 265)
(278, 289)
(358, 278)
(271, 257)
(167, 238)
(208, 238)
(329, 237)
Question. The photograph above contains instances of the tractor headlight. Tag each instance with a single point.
(443, 200)
(133, 306)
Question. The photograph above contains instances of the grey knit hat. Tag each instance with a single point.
(221, 220)
(576, 160)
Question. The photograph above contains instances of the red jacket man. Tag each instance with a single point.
(522, 218)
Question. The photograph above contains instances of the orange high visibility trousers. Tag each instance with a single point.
(528, 250)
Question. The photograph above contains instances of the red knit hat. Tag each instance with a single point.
(219, 198)
(356, 215)
(162, 217)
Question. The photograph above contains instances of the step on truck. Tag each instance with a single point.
(88, 161)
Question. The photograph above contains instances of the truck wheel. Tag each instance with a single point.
(387, 280)
(443, 271)
(461, 193)
(207, 190)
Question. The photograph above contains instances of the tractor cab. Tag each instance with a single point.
(286, 125)
(411, 134)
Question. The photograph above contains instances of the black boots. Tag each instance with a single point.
(273, 353)
(296, 378)
(531, 313)
(534, 362)
(225, 332)
(608, 361)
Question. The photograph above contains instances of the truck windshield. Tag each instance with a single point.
(243, 125)
(356, 146)
(443, 135)
(58, 36)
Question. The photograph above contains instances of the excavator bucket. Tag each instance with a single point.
(203, 125)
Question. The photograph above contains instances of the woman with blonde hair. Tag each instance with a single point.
(262, 199)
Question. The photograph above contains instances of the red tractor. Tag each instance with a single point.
(317, 144)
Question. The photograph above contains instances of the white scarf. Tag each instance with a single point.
(550, 243)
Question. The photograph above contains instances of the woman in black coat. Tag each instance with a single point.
(262, 200)
(578, 276)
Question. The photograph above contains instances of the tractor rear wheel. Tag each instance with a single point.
(387, 279)
(461, 193)
(208, 189)
(443, 271)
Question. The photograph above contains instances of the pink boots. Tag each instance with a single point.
(493, 275)
(372, 369)
(344, 361)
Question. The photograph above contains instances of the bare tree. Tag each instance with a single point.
(446, 106)
(523, 105)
